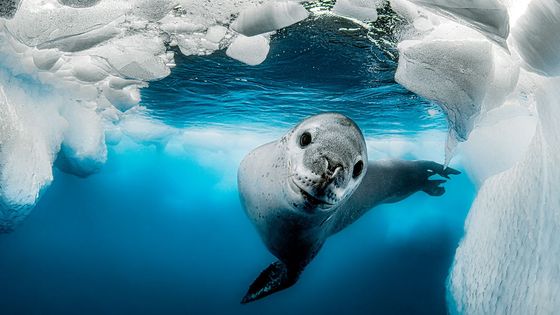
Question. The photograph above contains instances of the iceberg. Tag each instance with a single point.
(462, 70)
(490, 17)
(145, 59)
(30, 136)
(453, 73)
(505, 79)
(508, 130)
(268, 17)
(83, 151)
(143, 130)
(507, 262)
(84, 63)
(361, 10)
(250, 50)
(537, 37)
(216, 33)
(502, 105)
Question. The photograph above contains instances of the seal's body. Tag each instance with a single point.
(312, 183)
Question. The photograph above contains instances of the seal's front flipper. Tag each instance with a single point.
(275, 278)
(433, 188)
(435, 168)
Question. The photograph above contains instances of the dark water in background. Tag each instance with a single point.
(161, 231)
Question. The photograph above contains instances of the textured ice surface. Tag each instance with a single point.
(30, 135)
(145, 130)
(455, 66)
(537, 37)
(490, 17)
(508, 260)
(498, 142)
(455, 74)
(364, 10)
(83, 150)
(85, 62)
(250, 50)
(269, 17)
(37, 23)
(505, 78)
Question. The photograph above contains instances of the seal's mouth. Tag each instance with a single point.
(309, 198)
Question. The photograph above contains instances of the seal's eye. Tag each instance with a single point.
(305, 139)
(358, 167)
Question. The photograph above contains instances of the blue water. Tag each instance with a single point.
(161, 230)
(312, 67)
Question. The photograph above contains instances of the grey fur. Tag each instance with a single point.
(8, 8)
(79, 3)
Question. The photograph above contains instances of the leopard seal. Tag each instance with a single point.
(313, 182)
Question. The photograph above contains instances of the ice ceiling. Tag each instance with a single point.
(70, 74)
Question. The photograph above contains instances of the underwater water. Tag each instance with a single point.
(325, 64)
(160, 229)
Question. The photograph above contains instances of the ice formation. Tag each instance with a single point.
(461, 68)
(250, 50)
(269, 17)
(363, 10)
(30, 136)
(456, 74)
(537, 37)
(503, 103)
(490, 17)
(71, 70)
(511, 119)
(508, 261)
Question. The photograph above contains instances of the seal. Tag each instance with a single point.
(313, 182)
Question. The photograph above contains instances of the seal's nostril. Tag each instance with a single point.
(332, 166)
(335, 167)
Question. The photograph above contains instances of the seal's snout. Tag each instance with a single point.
(322, 181)
(323, 151)
(332, 167)
(331, 172)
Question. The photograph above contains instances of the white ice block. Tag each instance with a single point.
(507, 263)
(83, 150)
(490, 17)
(363, 10)
(268, 17)
(250, 50)
(536, 37)
(455, 74)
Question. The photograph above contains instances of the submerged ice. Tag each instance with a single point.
(507, 262)
(71, 71)
(501, 104)
(29, 145)
(268, 17)
(537, 38)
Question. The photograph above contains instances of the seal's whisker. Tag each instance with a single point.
(290, 175)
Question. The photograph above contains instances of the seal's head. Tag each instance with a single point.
(327, 159)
